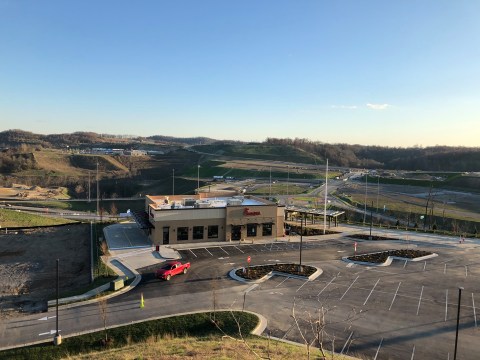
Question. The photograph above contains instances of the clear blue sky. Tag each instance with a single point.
(395, 73)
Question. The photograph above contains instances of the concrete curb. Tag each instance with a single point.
(389, 260)
(312, 277)
(80, 300)
(258, 330)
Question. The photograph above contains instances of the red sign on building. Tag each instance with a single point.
(247, 212)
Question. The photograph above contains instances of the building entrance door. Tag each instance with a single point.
(166, 235)
(236, 232)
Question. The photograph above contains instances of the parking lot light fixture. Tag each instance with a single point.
(458, 321)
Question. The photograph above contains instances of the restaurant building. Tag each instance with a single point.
(176, 219)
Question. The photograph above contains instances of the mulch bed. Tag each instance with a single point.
(257, 272)
(307, 231)
(367, 237)
(381, 257)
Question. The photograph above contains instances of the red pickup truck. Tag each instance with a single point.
(172, 268)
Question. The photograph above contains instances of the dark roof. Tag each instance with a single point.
(141, 218)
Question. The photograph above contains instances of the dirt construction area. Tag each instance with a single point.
(28, 265)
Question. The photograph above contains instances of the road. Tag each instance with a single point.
(407, 310)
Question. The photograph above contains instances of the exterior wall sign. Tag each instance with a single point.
(247, 212)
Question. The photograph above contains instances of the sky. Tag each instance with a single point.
(389, 73)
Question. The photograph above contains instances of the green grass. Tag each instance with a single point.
(199, 325)
(260, 151)
(13, 218)
(280, 189)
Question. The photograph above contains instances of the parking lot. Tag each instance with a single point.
(404, 311)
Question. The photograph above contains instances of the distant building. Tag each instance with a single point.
(204, 217)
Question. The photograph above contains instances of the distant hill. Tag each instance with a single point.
(15, 138)
(436, 158)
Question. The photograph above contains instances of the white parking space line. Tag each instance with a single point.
(251, 288)
(371, 291)
(283, 281)
(424, 266)
(445, 269)
(420, 300)
(253, 248)
(303, 285)
(243, 252)
(394, 296)
(446, 304)
(326, 285)
(192, 252)
(474, 312)
(208, 251)
(466, 270)
(413, 353)
(405, 264)
(349, 287)
(224, 251)
(286, 332)
(346, 343)
(378, 349)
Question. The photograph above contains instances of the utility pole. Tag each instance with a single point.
(288, 180)
(366, 189)
(325, 203)
(89, 186)
(458, 321)
(57, 340)
(270, 184)
(371, 222)
(98, 192)
(173, 180)
(198, 179)
(301, 242)
(378, 189)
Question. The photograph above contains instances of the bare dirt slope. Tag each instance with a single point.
(28, 265)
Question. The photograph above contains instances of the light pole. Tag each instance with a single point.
(198, 179)
(173, 181)
(365, 210)
(458, 321)
(57, 340)
(325, 203)
(301, 243)
(288, 180)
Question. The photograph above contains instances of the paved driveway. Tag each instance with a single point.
(126, 236)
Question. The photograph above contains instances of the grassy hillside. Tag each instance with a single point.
(260, 151)
(13, 218)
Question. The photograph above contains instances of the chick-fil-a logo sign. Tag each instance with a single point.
(247, 212)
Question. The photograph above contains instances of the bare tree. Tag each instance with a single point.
(106, 255)
(103, 306)
(314, 329)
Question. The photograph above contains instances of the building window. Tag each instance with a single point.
(198, 233)
(251, 230)
(267, 229)
(213, 232)
(182, 233)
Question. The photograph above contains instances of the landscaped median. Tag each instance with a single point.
(260, 273)
(199, 325)
(385, 258)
